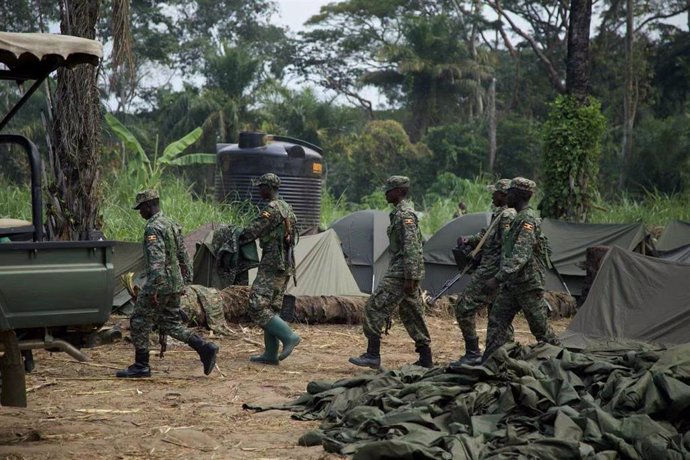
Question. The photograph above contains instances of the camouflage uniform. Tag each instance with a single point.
(275, 268)
(474, 296)
(167, 271)
(406, 263)
(521, 277)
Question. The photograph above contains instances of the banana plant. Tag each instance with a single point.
(149, 172)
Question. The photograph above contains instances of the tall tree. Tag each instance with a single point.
(75, 199)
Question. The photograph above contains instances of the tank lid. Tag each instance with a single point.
(250, 140)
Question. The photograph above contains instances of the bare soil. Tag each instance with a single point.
(80, 410)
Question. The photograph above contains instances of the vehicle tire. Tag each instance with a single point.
(13, 391)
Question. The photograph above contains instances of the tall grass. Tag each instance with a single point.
(654, 209)
(15, 201)
(178, 201)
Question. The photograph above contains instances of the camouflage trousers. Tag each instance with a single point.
(266, 297)
(472, 299)
(388, 295)
(165, 315)
(510, 300)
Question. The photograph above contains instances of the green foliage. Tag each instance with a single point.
(121, 222)
(382, 149)
(459, 149)
(149, 172)
(570, 162)
(654, 208)
(661, 158)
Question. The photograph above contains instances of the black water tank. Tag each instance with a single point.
(298, 164)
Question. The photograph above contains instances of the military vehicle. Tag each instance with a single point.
(53, 294)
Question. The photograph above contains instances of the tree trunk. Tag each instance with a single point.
(492, 125)
(628, 96)
(74, 194)
(577, 65)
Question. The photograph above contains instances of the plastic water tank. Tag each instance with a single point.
(298, 164)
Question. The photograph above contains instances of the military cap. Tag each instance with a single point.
(396, 182)
(269, 179)
(502, 185)
(521, 183)
(143, 197)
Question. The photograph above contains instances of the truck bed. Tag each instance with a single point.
(56, 283)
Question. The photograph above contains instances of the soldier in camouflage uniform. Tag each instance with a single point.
(276, 229)
(400, 285)
(522, 273)
(475, 296)
(167, 270)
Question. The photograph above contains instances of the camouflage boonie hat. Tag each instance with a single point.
(269, 179)
(521, 183)
(502, 185)
(143, 197)
(396, 182)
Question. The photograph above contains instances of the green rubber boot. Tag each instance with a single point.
(280, 329)
(270, 354)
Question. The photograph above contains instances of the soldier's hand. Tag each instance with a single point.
(462, 241)
(410, 286)
(490, 285)
(154, 298)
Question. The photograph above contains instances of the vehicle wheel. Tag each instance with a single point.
(13, 392)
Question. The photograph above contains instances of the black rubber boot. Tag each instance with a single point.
(372, 358)
(207, 352)
(473, 356)
(139, 369)
(424, 357)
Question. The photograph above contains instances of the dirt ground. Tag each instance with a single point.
(80, 410)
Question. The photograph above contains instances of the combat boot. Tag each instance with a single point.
(207, 352)
(424, 357)
(372, 358)
(140, 368)
(270, 354)
(473, 356)
(280, 329)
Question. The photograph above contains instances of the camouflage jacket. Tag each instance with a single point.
(270, 227)
(405, 244)
(524, 252)
(491, 251)
(167, 262)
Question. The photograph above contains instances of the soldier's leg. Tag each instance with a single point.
(503, 311)
(140, 325)
(377, 311)
(534, 308)
(412, 317)
(171, 324)
(260, 298)
(277, 328)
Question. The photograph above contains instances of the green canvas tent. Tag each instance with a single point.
(321, 269)
(569, 243)
(365, 244)
(439, 264)
(675, 235)
(634, 298)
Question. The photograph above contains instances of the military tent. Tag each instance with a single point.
(365, 244)
(675, 235)
(439, 264)
(321, 269)
(569, 243)
(681, 254)
(634, 298)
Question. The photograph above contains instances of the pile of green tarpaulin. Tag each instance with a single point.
(526, 402)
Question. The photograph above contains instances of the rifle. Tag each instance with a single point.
(473, 255)
(289, 245)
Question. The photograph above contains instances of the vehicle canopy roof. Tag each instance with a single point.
(33, 55)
